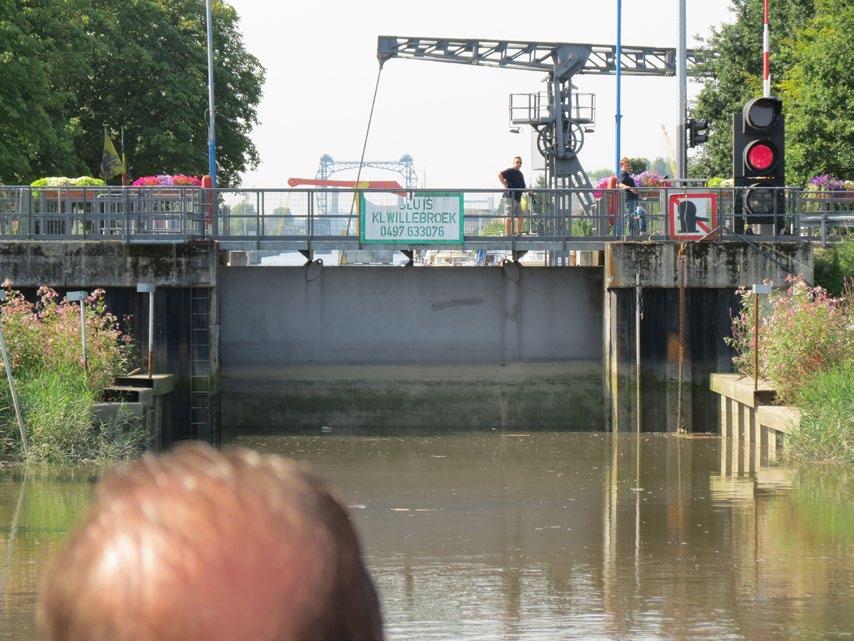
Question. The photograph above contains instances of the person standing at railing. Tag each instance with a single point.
(627, 184)
(514, 182)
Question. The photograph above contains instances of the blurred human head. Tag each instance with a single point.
(625, 164)
(517, 161)
(201, 545)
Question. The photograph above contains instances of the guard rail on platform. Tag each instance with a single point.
(329, 219)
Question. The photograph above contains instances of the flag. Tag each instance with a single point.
(111, 164)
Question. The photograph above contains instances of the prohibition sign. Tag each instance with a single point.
(691, 215)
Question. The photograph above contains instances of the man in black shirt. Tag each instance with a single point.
(514, 182)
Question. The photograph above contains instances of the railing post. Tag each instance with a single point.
(309, 223)
(83, 221)
(29, 213)
(126, 211)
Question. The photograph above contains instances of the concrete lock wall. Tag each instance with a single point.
(424, 347)
(711, 274)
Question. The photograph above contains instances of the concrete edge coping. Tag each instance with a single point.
(158, 383)
(132, 393)
(782, 418)
(740, 388)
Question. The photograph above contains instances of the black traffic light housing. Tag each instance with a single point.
(698, 131)
(758, 166)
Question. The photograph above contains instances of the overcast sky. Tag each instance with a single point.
(452, 119)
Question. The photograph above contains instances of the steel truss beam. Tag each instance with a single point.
(538, 56)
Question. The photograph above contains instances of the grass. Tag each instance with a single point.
(57, 407)
(826, 430)
(834, 265)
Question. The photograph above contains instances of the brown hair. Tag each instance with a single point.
(201, 545)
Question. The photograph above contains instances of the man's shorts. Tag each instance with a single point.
(512, 208)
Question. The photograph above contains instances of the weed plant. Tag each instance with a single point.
(834, 266)
(802, 332)
(57, 396)
(806, 350)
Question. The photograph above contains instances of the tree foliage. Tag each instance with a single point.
(817, 94)
(733, 71)
(83, 65)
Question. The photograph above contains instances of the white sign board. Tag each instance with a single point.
(412, 218)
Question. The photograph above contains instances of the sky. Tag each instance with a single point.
(321, 65)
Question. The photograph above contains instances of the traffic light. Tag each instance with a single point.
(757, 163)
(698, 132)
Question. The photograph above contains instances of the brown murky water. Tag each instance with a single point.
(542, 536)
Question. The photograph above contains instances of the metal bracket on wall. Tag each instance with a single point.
(512, 270)
(307, 254)
(313, 269)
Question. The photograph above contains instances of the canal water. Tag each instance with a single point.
(540, 535)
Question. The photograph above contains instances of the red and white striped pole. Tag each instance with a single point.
(766, 54)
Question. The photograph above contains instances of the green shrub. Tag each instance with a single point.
(826, 430)
(834, 266)
(804, 332)
(62, 181)
(56, 395)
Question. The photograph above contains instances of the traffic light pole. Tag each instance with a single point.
(682, 79)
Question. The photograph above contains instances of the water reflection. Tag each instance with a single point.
(543, 536)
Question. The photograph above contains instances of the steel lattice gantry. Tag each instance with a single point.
(328, 166)
(405, 167)
(559, 117)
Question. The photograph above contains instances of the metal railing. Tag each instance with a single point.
(291, 219)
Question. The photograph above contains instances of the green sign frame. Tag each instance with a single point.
(414, 224)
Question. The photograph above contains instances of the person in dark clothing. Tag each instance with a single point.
(514, 182)
(627, 183)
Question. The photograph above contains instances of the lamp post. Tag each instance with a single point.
(149, 288)
(211, 108)
(9, 378)
(74, 297)
(759, 289)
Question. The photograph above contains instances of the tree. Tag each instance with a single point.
(638, 164)
(141, 65)
(27, 102)
(817, 94)
(733, 71)
(661, 166)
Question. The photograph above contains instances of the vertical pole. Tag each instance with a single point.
(14, 393)
(211, 109)
(638, 351)
(681, 75)
(83, 335)
(125, 179)
(755, 342)
(150, 333)
(617, 64)
(766, 52)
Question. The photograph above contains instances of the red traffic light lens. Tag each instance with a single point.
(761, 156)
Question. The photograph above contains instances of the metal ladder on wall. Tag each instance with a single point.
(203, 423)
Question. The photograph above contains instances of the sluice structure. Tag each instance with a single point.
(499, 342)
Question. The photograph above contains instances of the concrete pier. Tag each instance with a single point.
(754, 427)
(702, 279)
